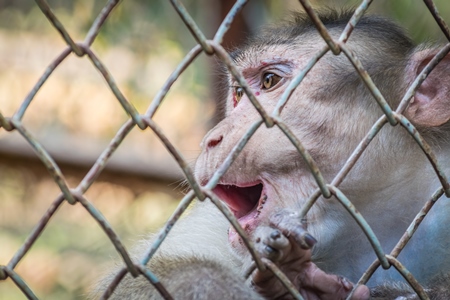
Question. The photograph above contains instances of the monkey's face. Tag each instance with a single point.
(270, 174)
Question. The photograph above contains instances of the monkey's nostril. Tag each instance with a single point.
(214, 141)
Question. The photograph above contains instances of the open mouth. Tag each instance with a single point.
(242, 201)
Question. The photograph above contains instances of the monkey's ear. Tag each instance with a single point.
(430, 106)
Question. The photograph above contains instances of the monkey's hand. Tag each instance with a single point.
(286, 243)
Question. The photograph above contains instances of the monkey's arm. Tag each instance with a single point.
(193, 262)
(188, 278)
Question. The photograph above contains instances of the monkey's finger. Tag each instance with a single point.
(303, 238)
(271, 243)
(291, 226)
(362, 292)
(272, 237)
(330, 287)
(276, 240)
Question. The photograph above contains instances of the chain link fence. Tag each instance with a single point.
(75, 195)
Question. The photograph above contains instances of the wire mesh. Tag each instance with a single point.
(144, 121)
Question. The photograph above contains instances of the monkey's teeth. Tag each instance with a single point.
(260, 205)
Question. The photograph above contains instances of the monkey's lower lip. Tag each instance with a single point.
(242, 200)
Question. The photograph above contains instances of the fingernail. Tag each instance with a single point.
(310, 240)
(270, 250)
(275, 234)
(347, 284)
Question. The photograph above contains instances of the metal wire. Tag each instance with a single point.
(214, 47)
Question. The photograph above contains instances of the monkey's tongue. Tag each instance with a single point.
(241, 200)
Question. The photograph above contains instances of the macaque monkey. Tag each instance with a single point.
(330, 112)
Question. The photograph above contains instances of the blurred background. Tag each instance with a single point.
(75, 115)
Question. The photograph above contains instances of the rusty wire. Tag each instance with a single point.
(214, 47)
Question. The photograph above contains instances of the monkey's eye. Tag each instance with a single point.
(238, 94)
(270, 80)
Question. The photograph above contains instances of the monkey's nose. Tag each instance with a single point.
(214, 141)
